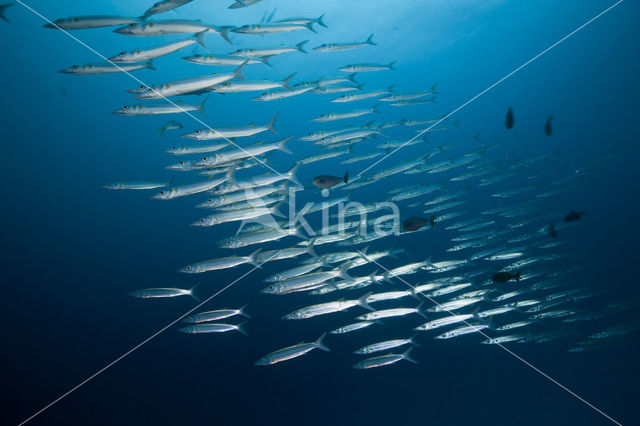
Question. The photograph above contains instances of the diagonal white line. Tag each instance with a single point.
(493, 85)
(145, 341)
(499, 344)
(184, 111)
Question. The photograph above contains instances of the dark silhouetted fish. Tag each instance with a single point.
(326, 181)
(414, 223)
(432, 221)
(503, 277)
(552, 230)
(510, 120)
(4, 7)
(573, 216)
(547, 126)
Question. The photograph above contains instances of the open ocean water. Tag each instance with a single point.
(73, 251)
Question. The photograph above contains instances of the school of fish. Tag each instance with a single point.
(503, 274)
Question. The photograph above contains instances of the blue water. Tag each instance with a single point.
(72, 251)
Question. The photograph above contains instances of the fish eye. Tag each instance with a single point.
(228, 242)
(125, 107)
(132, 25)
(271, 287)
(182, 163)
(74, 67)
(189, 267)
(122, 53)
(197, 56)
(197, 132)
(202, 220)
(204, 158)
(161, 192)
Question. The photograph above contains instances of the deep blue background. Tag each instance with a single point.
(71, 251)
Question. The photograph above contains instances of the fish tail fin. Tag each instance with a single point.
(370, 40)
(414, 294)
(275, 210)
(160, 131)
(420, 310)
(475, 314)
(375, 108)
(320, 344)
(265, 60)
(300, 46)
(386, 277)
(272, 123)
(291, 174)
(406, 356)
(346, 177)
(201, 106)
(391, 65)
(231, 172)
(253, 257)
(433, 88)
(310, 27)
(199, 38)
(149, 64)
(286, 81)
(362, 301)
(310, 248)
(517, 276)
(391, 88)
(5, 6)
(240, 328)
(412, 340)
(224, 33)
(282, 147)
(320, 22)
(242, 312)
(192, 294)
(343, 272)
(237, 73)
(352, 78)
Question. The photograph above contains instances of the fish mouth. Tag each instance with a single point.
(50, 25)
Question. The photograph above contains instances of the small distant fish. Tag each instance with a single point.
(4, 7)
(169, 125)
(414, 223)
(93, 21)
(215, 315)
(134, 185)
(547, 126)
(303, 21)
(212, 328)
(327, 181)
(332, 47)
(164, 6)
(509, 120)
(292, 352)
(383, 360)
(503, 277)
(158, 109)
(173, 26)
(140, 55)
(105, 68)
(573, 216)
(271, 28)
(243, 3)
(158, 293)
(368, 67)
